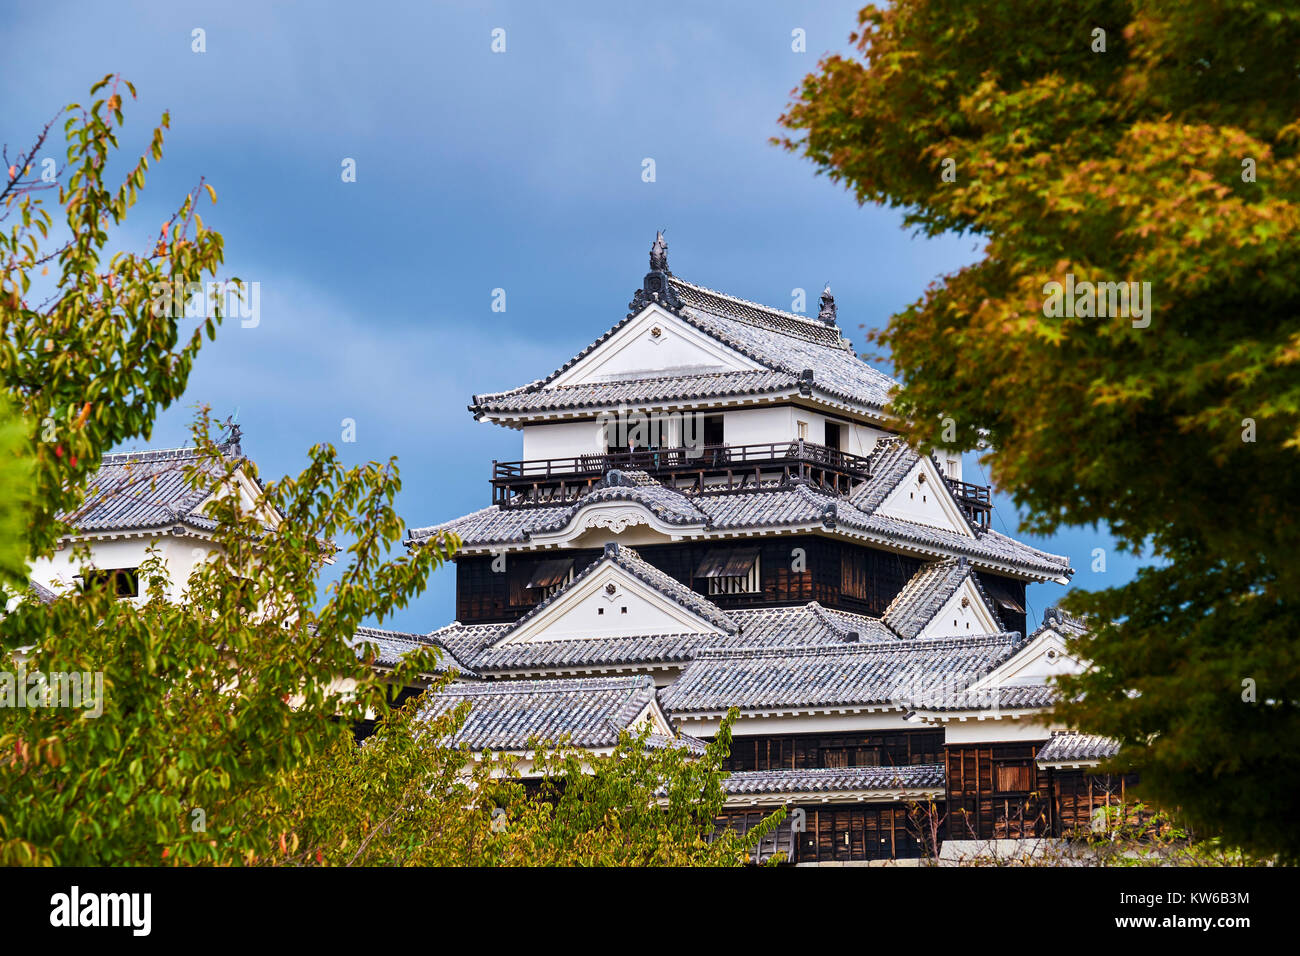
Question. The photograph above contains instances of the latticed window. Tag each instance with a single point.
(731, 571)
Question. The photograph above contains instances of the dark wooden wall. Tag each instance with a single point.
(805, 752)
(1077, 794)
(793, 570)
(996, 791)
(841, 834)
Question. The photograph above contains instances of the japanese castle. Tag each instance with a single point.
(710, 512)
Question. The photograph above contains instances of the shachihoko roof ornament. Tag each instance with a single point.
(659, 254)
(826, 306)
(656, 287)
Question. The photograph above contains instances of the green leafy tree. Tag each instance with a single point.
(218, 729)
(208, 704)
(15, 482)
(1146, 142)
(88, 352)
(406, 798)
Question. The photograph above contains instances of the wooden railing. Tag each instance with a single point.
(722, 466)
(975, 500)
(735, 467)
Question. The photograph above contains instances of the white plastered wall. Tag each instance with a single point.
(964, 614)
(562, 440)
(180, 555)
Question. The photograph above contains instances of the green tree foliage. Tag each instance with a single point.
(85, 354)
(218, 729)
(15, 480)
(209, 703)
(1150, 142)
(406, 798)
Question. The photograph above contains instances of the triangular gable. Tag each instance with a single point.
(1042, 658)
(654, 717)
(965, 613)
(923, 497)
(251, 499)
(654, 344)
(943, 599)
(609, 601)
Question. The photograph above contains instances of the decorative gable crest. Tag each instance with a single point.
(655, 287)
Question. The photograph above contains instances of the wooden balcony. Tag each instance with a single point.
(975, 500)
(715, 467)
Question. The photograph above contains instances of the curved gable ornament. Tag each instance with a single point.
(617, 517)
(616, 520)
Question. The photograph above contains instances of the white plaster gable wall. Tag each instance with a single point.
(180, 556)
(635, 352)
(1036, 664)
(652, 716)
(923, 497)
(628, 522)
(633, 536)
(589, 611)
(250, 499)
(964, 614)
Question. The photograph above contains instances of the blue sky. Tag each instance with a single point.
(474, 171)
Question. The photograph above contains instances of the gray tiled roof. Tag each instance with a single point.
(785, 344)
(496, 525)
(140, 491)
(1072, 747)
(879, 673)
(840, 779)
(891, 460)
(697, 298)
(807, 625)
(1062, 622)
(392, 646)
(667, 503)
(786, 341)
(793, 505)
(927, 592)
(641, 391)
(503, 715)
(41, 592)
(1013, 697)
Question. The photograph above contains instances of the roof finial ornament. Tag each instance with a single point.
(657, 287)
(826, 305)
(229, 443)
(659, 254)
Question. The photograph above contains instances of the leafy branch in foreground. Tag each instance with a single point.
(86, 355)
(207, 703)
(1132, 147)
(408, 797)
